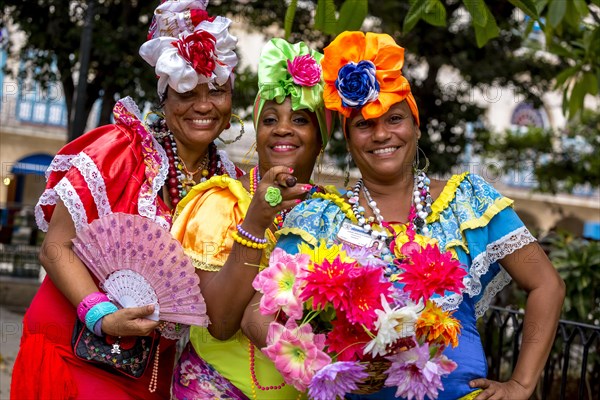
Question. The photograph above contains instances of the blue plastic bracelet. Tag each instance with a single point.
(98, 311)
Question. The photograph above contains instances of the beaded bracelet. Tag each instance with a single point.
(88, 302)
(250, 236)
(100, 310)
(248, 243)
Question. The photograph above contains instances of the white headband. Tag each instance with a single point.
(186, 53)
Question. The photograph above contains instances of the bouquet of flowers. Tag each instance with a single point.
(340, 309)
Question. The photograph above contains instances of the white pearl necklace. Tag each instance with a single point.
(421, 201)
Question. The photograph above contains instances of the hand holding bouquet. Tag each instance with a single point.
(339, 308)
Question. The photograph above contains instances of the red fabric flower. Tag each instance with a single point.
(346, 339)
(328, 283)
(198, 49)
(367, 286)
(431, 271)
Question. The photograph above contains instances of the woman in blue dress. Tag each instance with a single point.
(465, 215)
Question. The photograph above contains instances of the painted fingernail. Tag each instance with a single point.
(298, 201)
(291, 170)
(307, 188)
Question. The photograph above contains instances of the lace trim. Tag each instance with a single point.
(228, 166)
(95, 182)
(61, 162)
(495, 251)
(131, 107)
(47, 198)
(70, 198)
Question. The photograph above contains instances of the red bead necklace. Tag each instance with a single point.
(179, 180)
(253, 374)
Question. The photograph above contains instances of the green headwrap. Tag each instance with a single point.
(292, 70)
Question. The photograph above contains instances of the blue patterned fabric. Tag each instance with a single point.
(476, 222)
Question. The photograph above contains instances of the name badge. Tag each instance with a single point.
(354, 235)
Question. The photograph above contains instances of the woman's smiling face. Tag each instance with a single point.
(199, 116)
(287, 137)
(384, 147)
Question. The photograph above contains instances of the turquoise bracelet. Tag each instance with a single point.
(97, 312)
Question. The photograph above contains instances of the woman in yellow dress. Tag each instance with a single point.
(226, 226)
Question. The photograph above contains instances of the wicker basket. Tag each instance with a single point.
(377, 376)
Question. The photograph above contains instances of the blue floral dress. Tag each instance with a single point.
(469, 218)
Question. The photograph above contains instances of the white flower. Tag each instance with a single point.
(392, 324)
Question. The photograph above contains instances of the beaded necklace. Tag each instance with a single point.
(180, 180)
(254, 179)
(420, 208)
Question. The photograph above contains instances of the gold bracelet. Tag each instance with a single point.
(248, 243)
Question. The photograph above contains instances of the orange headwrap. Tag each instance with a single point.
(364, 72)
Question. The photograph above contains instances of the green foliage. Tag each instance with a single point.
(578, 263)
(560, 161)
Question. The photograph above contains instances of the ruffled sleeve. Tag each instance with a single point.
(310, 221)
(476, 221)
(113, 168)
(207, 216)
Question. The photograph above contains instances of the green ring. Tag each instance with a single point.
(273, 196)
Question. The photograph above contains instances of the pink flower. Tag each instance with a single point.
(280, 284)
(416, 375)
(431, 271)
(329, 283)
(367, 286)
(305, 70)
(296, 352)
(198, 49)
(335, 380)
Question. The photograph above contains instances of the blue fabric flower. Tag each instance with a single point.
(357, 84)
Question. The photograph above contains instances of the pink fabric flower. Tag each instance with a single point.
(305, 70)
(296, 352)
(280, 284)
(431, 271)
(416, 375)
(198, 49)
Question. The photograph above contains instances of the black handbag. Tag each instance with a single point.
(129, 356)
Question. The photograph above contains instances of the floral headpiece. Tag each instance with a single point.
(292, 70)
(364, 73)
(187, 47)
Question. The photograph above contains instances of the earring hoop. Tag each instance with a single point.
(249, 154)
(239, 136)
(416, 162)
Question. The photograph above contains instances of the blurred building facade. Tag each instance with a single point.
(33, 127)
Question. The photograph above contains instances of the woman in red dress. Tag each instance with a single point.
(122, 167)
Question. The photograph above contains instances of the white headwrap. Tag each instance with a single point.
(187, 48)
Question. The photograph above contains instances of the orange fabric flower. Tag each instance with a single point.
(388, 58)
(437, 326)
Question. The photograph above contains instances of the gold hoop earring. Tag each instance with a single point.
(238, 137)
(249, 154)
(416, 161)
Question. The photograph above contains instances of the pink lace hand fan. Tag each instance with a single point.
(137, 263)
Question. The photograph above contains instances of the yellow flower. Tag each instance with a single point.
(437, 326)
(323, 252)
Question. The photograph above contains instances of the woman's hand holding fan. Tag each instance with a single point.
(138, 263)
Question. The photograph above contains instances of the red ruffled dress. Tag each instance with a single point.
(114, 168)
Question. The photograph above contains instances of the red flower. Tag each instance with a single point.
(198, 49)
(328, 283)
(346, 339)
(430, 271)
(367, 286)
